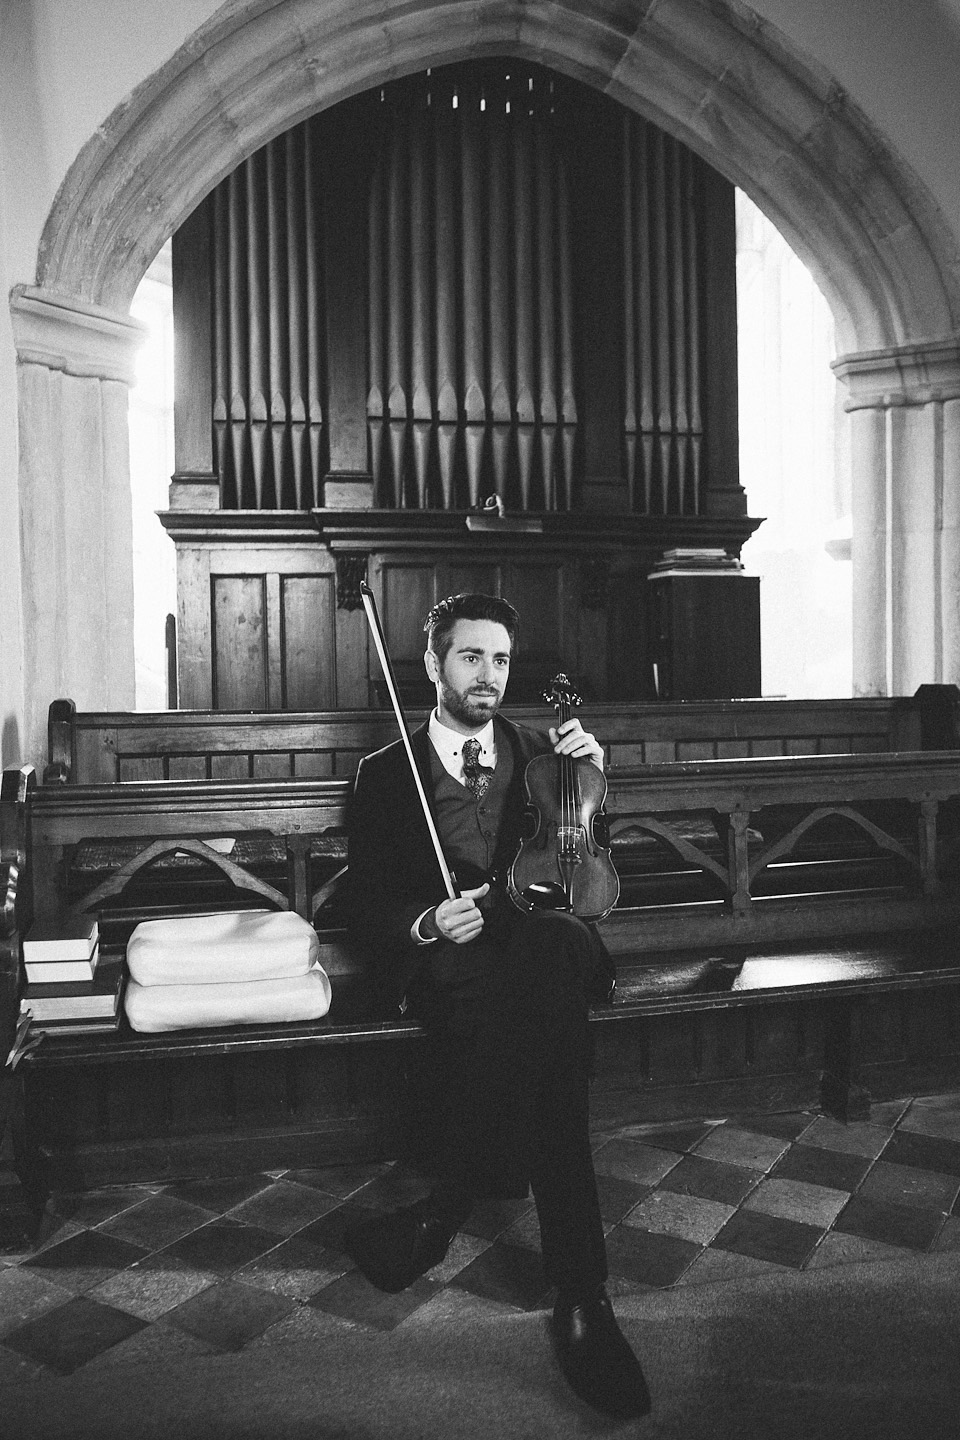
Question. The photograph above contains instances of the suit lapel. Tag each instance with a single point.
(420, 745)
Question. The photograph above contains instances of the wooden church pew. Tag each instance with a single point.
(799, 948)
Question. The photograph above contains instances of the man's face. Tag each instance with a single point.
(473, 676)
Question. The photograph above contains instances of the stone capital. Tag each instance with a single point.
(916, 374)
(62, 333)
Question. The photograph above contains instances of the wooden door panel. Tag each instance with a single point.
(483, 577)
(407, 593)
(308, 608)
(239, 642)
(537, 591)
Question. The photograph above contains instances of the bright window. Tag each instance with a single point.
(792, 466)
(151, 466)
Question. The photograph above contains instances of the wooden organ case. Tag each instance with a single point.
(473, 330)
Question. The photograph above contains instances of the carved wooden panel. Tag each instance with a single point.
(541, 589)
(706, 636)
(260, 630)
(239, 610)
(268, 617)
(309, 642)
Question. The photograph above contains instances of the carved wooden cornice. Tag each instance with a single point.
(360, 530)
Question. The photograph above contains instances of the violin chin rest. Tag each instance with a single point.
(546, 895)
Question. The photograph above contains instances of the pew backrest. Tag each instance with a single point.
(101, 748)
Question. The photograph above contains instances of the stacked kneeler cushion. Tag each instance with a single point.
(245, 967)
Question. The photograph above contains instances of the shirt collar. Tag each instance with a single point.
(449, 743)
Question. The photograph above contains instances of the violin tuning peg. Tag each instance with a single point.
(561, 692)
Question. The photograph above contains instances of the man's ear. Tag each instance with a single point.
(431, 665)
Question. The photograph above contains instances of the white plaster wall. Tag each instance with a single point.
(899, 60)
(15, 148)
(11, 624)
(65, 65)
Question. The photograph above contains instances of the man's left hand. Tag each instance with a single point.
(572, 739)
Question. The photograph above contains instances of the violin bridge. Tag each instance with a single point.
(569, 842)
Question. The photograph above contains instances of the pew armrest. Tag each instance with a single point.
(16, 896)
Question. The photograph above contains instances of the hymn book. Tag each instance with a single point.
(47, 941)
(75, 1000)
(55, 972)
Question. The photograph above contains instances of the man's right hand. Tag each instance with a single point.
(458, 920)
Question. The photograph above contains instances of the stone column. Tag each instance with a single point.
(904, 404)
(75, 366)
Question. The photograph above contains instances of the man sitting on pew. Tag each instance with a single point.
(505, 992)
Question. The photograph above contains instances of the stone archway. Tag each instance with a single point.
(713, 75)
(716, 77)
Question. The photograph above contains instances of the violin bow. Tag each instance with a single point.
(376, 630)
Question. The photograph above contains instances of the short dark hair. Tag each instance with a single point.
(468, 606)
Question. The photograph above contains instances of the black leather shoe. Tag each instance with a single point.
(596, 1359)
(394, 1250)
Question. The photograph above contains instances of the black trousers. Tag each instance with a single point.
(509, 1011)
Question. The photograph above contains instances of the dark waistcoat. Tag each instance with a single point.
(469, 828)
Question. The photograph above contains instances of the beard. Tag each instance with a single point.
(471, 707)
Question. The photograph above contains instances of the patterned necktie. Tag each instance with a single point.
(476, 776)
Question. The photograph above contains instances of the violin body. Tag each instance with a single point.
(564, 861)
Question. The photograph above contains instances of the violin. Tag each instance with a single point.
(564, 862)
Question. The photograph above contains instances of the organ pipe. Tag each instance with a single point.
(267, 347)
(662, 371)
(471, 305)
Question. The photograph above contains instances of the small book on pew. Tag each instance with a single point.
(95, 1026)
(79, 999)
(54, 972)
(49, 941)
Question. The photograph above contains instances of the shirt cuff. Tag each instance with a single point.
(415, 933)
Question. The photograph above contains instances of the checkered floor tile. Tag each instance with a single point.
(208, 1266)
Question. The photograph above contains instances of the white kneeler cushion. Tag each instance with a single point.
(246, 967)
(228, 946)
(238, 1002)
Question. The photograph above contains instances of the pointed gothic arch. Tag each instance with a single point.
(713, 75)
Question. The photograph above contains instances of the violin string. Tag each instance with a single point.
(567, 777)
(575, 797)
(564, 774)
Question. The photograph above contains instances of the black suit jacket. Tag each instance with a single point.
(393, 871)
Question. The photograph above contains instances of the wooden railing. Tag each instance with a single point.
(807, 846)
(725, 852)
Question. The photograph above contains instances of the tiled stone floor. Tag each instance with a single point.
(207, 1266)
